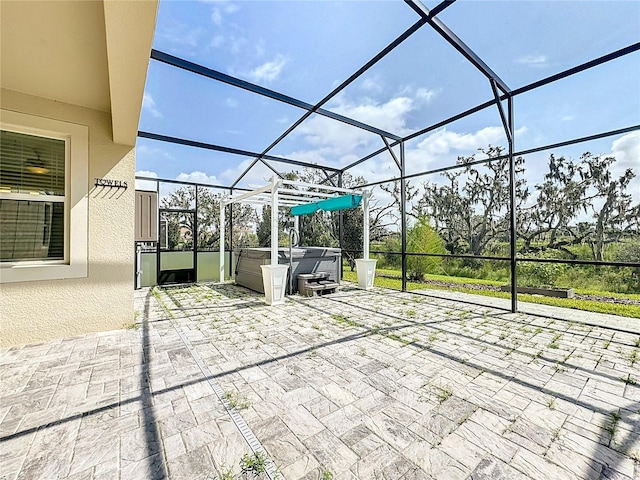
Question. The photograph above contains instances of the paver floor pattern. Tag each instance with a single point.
(355, 385)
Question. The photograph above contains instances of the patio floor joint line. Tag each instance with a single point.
(246, 432)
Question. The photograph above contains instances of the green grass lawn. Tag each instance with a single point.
(588, 305)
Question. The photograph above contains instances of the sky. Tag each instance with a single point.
(306, 48)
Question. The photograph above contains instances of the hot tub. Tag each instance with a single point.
(304, 260)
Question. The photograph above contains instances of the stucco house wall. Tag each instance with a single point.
(34, 311)
(76, 71)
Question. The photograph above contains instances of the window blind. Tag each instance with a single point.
(31, 164)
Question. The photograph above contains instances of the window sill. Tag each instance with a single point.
(31, 273)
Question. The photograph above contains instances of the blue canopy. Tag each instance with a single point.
(304, 209)
(329, 205)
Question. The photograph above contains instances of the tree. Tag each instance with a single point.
(243, 217)
(263, 229)
(422, 238)
(176, 228)
(611, 204)
(573, 188)
(550, 216)
(471, 209)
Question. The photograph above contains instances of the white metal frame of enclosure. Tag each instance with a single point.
(289, 193)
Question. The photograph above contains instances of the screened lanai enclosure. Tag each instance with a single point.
(500, 142)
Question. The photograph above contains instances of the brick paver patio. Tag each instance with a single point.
(355, 385)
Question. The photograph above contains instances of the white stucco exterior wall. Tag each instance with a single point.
(43, 310)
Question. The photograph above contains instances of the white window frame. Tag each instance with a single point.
(76, 139)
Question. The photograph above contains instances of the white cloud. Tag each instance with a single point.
(444, 141)
(152, 152)
(260, 48)
(216, 17)
(222, 7)
(230, 174)
(146, 173)
(324, 133)
(146, 184)
(258, 175)
(377, 169)
(310, 156)
(626, 149)
(149, 105)
(390, 115)
(533, 60)
(425, 95)
(231, 102)
(198, 177)
(181, 37)
(236, 44)
(372, 84)
(336, 144)
(268, 71)
(444, 146)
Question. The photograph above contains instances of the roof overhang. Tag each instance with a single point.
(94, 54)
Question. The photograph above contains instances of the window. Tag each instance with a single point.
(43, 198)
(32, 197)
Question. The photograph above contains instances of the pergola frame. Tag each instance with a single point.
(503, 97)
(288, 193)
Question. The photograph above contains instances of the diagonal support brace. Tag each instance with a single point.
(395, 158)
(503, 117)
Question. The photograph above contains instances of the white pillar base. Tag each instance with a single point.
(366, 272)
(274, 279)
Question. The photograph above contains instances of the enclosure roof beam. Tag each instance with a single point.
(233, 151)
(266, 92)
(457, 43)
(526, 88)
(579, 68)
(384, 52)
(182, 182)
(440, 7)
(435, 126)
(588, 138)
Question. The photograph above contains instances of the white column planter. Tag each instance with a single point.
(274, 279)
(366, 272)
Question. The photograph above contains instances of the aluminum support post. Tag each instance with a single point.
(340, 227)
(274, 221)
(365, 224)
(403, 216)
(222, 222)
(512, 208)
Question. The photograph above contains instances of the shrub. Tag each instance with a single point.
(630, 253)
(533, 274)
(391, 244)
(421, 238)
